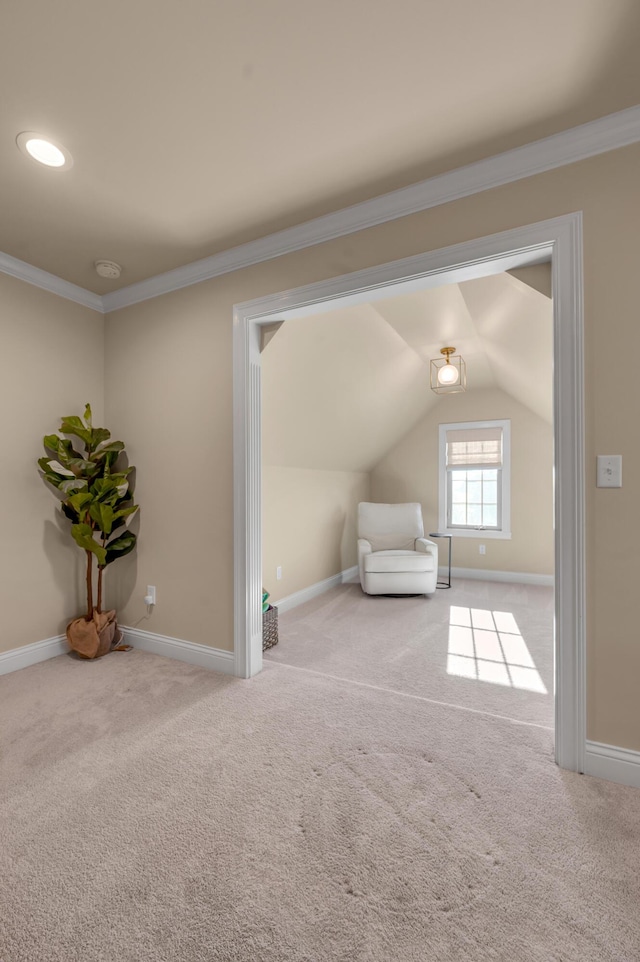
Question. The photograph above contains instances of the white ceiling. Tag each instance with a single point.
(196, 126)
(341, 388)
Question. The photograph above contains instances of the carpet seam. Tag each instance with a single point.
(404, 694)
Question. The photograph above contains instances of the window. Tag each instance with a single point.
(474, 479)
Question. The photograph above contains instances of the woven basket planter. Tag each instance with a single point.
(269, 627)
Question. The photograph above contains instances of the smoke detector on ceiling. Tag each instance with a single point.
(108, 269)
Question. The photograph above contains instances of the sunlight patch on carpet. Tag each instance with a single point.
(488, 646)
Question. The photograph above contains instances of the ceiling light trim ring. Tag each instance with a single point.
(33, 145)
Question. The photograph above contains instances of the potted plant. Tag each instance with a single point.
(96, 497)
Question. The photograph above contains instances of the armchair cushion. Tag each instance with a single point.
(398, 561)
(385, 542)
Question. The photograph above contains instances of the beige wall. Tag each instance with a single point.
(409, 472)
(51, 364)
(308, 525)
(170, 380)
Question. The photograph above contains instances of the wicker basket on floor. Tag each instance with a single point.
(269, 627)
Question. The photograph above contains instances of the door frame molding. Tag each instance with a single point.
(558, 239)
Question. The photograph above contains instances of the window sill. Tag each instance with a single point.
(478, 533)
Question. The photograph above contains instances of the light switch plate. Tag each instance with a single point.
(609, 473)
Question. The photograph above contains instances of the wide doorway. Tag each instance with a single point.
(499, 654)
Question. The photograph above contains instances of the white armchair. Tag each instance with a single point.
(394, 557)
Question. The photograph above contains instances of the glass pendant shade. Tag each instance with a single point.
(448, 373)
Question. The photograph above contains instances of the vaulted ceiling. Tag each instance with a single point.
(340, 389)
(199, 125)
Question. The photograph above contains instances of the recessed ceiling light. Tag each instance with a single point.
(43, 150)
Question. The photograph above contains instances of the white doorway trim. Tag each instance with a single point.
(559, 239)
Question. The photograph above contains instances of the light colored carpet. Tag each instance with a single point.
(151, 811)
(420, 646)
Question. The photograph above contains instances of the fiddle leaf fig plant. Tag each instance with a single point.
(95, 495)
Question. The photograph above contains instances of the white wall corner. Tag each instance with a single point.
(18, 658)
(214, 658)
(620, 765)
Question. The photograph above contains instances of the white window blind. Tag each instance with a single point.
(478, 448)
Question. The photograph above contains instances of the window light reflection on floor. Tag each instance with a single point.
(487, 646)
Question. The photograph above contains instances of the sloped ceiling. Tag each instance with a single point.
(340, 389)
(199, 125)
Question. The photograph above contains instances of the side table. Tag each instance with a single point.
(439, 534)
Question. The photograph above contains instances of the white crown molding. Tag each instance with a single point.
(319, 588)
(49, 282)
(567, 147)
(596, 137)
(201, 655)
(18, 658)
(615, 764)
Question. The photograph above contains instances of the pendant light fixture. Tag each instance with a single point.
(448, 373)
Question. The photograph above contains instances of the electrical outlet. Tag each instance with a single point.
(279, 573)
(150, 597)
(482, 549)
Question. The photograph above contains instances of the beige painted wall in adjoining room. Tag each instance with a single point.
(409, 472)
(169, 363)
(308, 525)
(51, 365)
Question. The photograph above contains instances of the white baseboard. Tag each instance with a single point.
(615, 764)
(214, 658)
(31, 654)
(306, 594)
(486, 574)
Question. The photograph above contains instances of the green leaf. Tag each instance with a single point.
(43, 464)
(51, 441)
(105, 489)
(80, 502)
(118, 523)
(68, 511)
(62, 447)
(74, 484)
(80, 467)
(99, 436)
(54, 467)
(120, 546)
(75, 426)
(102, 514)
(121, 475)
(87, 415)
(105, 447)
(125, 512)
(54, 480)
(83, 537)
